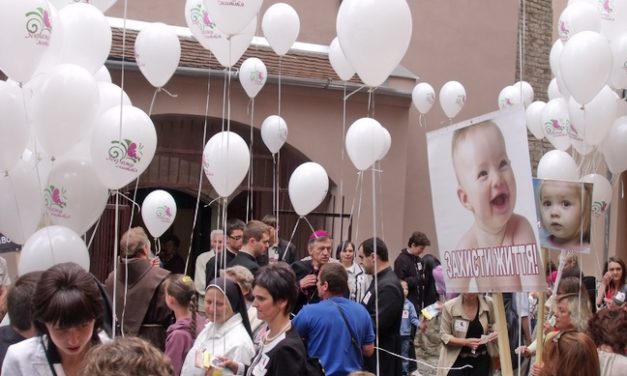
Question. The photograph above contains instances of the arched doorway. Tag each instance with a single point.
(176, 168)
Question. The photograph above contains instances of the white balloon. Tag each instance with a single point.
(613, 17)
(590, 124)
(14, 126)
(65, 107)
(86, 36)
(585, 65)
(157, 52)
(554, 57)
(110, 96)
(509, 97)
(556, 123)
(553, 90)
(618, 74)
(452, 98)
(423, 97)
(253, 75)
(563, 89)
(274, 133)
(52, 56)
(338, 61)
(103, 5)
(577, 17)
(226, 160)
(280, 25)
(74, 197)
(25, 31)
(121, 154)
(364, 142)
(103, 75)
(308, 186)
(20, 202)
(601, 193)
(374, 50)
(533, 115)
(582, 147)
(387, 143)
(557, 165)
(158, 212)
(232, 16)
(527, 92)
(615, 146)
(50, 246)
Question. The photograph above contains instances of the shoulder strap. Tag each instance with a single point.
(350, 331)
(48, 356)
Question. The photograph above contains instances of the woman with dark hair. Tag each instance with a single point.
(68, 313)
(613, 280)
(608, 330)
(280, 351)
(227, 332)
(358, 280)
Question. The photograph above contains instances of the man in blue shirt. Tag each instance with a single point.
(337, 330)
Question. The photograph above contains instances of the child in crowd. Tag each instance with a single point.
(180, 297)
(565, 212)
(409, 318)
(487, 187)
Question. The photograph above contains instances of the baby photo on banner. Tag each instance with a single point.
(564, 209)
(483, 203)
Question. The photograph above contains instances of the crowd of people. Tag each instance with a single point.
(253, 308)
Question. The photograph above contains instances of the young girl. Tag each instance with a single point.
(565, 211)
(180, 297)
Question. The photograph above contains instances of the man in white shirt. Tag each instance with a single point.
(217, 245)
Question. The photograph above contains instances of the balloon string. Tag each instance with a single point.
(354, 92)
(211, 202)
(224, 103)
(380, 192)
(294, 230)
(200, 172)
(228, 103)
(115, 269)
(310, 226)
(424, 363)
(280, 71)
(17, 205)
(93, 234)
(376, 269)
(355, 195)
(421, 118)
(135, 204)
(278, 184)
(249, 201)
(274, 168)
(342, 155)
(361, 192)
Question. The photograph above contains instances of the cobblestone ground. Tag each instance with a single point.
(427, 346)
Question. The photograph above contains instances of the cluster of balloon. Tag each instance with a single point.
(519, 93)
(280, 25)
(374, 52)
(423, 97)
(587, 62)
(227, 46)
(158, 212)
(338, 61)
(452, 98)
(157, 52)
(252, 76)
(308, 186)
(601, 193)
(274, 133)
(226, 160)
(367, 141)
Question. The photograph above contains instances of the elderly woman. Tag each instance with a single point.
(227, 332)
(68, 312)
(281, 351)
(465, 319)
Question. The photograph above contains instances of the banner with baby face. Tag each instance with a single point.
(483, 203)
(564, 209)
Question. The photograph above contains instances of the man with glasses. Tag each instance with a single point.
(234, 237)
(256, 242)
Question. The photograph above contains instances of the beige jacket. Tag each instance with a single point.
(452, 311)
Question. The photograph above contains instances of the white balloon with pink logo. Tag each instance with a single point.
(158, 212)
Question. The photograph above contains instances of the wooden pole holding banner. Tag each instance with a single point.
(503, 338)
(541, 316)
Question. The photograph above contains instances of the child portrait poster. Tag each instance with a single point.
(494, 193)
(564, 209)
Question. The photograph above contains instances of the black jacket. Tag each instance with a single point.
(410, 269)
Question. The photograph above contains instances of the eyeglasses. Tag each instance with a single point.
(238, 237)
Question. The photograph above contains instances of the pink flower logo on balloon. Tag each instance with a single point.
(164, 213)
(564, 30)
(572, 132)
(599, 207)
(556, 128)
(461, 99)
(38, 26)
(55, 197)
(608, 5)
(256, 77)
(200, 17)
(125, 153)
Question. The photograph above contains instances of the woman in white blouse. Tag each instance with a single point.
(358, 280)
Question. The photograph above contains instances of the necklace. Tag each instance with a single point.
(285, 329)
